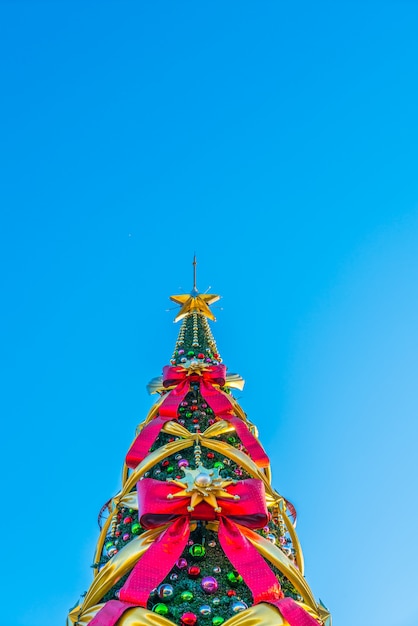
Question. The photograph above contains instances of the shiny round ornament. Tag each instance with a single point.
(112, 551)
(183, 463)
(135, 528)
(231, 593)
(160, 608)
(128, 520)
(217, 569)
(193, 571)
(216, 601)
(170, 469)
(174, 576)
(219, 465)
(209, 584)
(197, 551)
(238, 605)
(165, 592)
(181, 563)
(217, 620)
(203, 480)
(126, 536)
(187, 596)
(234, 578)
(205, 610)
(188, 619)
(271, 537)
(178, 457)
(212, 544)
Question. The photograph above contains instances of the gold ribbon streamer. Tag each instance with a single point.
(126, 558)
(176, 446)
(130, 500)
(119, 565)
(275, 555)
(256, 615)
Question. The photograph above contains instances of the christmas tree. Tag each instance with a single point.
(197, 534)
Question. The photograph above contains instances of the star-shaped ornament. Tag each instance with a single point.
(195, 301)
(203, 485)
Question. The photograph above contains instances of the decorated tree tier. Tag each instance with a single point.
(197, 535)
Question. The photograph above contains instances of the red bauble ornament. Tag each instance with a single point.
(128, 520)
(193, 571)
(231, 593)
(188, 619)
(210, 455)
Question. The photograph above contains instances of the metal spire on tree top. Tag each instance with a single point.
(195, 301)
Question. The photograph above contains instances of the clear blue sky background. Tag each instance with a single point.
(278, 140)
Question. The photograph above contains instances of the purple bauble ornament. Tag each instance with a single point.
(209, 584)
(181, 563)
(183, 463)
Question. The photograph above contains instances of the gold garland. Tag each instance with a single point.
(257, 615)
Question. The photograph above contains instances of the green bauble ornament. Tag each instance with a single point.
(187, 596)
(160, 608)
(135, 528)
(234, 578)
(170, 469)
(217, 620)
(219, 465)
(197, 551)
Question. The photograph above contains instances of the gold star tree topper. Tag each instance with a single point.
(195, 301)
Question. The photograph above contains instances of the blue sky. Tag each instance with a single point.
(277, 142)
